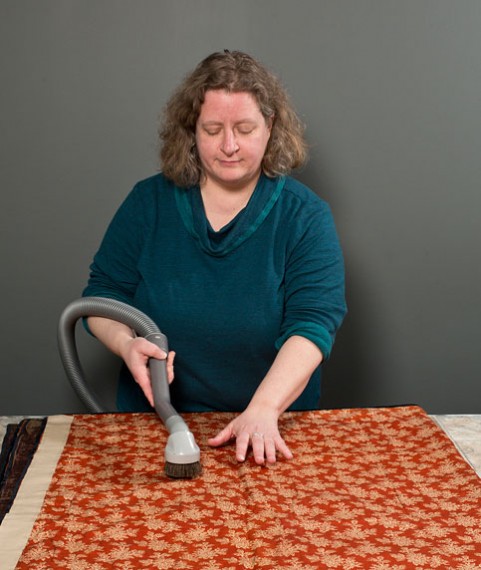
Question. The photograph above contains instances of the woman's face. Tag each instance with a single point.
(231, 138)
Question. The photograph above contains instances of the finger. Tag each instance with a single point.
(282, 448)
(270, 450)
(154, 351)
(242, 445)
(258, 447)
(149, 349)
(170, 366)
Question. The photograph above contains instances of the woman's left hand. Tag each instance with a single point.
(256, 428)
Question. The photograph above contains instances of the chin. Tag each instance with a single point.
(237, 178)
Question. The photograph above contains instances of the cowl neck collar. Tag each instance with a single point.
(239, 229)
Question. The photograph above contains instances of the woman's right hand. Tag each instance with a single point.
(136, 353)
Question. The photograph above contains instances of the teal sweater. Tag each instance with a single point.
(226, 300)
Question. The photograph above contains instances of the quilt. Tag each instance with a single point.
(375, 488)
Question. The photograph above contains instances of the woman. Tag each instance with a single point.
(238, 263)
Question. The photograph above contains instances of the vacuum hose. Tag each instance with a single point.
(182, 453)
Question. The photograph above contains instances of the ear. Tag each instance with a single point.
(270, 122)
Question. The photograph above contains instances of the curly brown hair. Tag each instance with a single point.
(234, 72)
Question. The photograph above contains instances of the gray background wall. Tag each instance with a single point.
(391, 93)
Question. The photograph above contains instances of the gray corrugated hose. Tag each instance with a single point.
(181, 449)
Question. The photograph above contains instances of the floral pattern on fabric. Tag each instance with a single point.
(382, 489)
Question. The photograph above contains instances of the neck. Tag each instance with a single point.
(222, 204)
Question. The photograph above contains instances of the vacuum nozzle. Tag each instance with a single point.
(182, 456)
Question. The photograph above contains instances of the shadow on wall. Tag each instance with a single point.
(345, 374)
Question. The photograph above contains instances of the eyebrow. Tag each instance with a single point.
(242, 121)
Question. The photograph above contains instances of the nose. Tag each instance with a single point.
(229, 143)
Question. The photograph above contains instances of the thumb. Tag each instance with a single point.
(222, 437)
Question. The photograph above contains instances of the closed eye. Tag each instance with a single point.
(242, 128)
(212, 132)
(245, 130)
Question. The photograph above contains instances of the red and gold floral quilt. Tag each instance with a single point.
(377, 488)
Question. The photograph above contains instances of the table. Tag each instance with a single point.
(367, 488)
(465, 432)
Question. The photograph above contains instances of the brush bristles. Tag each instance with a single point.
(182, 470)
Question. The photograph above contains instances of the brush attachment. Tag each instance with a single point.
(182, 455)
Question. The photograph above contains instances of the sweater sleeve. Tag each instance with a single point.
(314, 281)
(114, 271)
